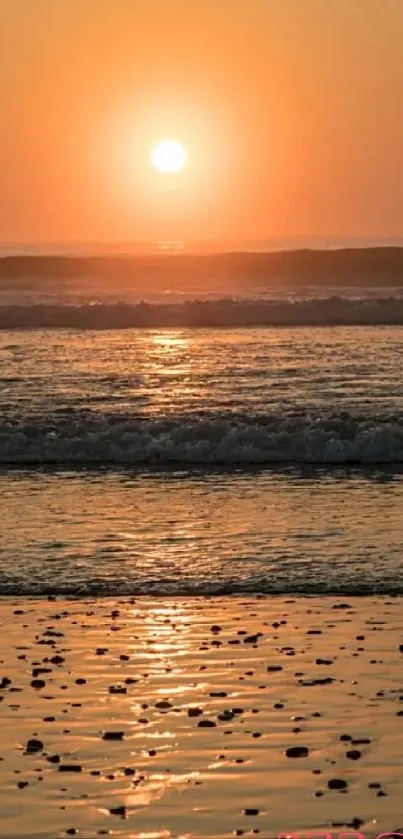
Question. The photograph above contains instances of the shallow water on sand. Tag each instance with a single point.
(111, 532)
(205, 698)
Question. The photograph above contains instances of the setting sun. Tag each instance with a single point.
(168, 156)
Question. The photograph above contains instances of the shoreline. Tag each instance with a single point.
(174, 717)
(136, 598)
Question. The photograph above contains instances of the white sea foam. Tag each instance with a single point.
(205, 442)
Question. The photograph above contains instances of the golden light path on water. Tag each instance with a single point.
(201, 699)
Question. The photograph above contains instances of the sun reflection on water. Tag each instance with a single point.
(170, 341)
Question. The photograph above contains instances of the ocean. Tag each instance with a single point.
(244, 435)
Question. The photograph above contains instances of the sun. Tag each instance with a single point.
(169, 156)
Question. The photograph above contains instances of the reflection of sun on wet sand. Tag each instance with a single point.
(200, 717)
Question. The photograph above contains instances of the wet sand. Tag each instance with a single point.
(161, 718)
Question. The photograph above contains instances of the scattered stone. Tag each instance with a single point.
(297, 751)
(225, 716)
(194, 712)
(113, 735)
(118, 811)
(356, 823)
(70, 767)
(34, 746)
(327, 680)
(38, 684)
(337, 783)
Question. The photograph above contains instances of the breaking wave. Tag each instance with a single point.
(360, 587)
(203, 442)
(226, 312)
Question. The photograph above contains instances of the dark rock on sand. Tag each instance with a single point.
(337, 783)
(70, 767)
(113, 735)
(33, 746)
(118, 811)
(297, 751)
(194, 712)
(38, 684)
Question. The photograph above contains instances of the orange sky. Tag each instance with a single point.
(292, 112)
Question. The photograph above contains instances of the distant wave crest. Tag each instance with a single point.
(226, 312)
(203, 442)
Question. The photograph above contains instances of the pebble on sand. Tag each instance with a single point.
(113, 735)
(33, 746)
(337, 783)
(297, 751)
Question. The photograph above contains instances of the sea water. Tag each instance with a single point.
(203, 458)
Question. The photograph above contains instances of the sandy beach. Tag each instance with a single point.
(200, 717)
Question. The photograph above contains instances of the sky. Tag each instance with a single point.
(291, 112)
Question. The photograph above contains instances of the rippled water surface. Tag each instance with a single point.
(212, 396)
(202, 460)
(131, 533)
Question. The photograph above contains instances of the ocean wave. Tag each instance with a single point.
(365, 266)
(360, 587)
(226, 312)
(203, 442)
